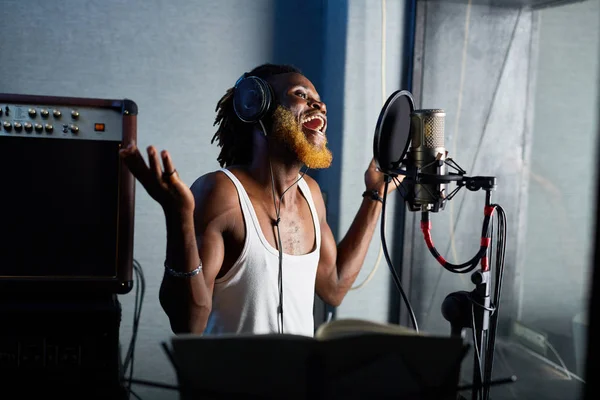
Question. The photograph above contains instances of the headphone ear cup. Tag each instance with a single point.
(252, 99)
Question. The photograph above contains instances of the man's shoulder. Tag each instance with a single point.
(317, 196)
(214, 189)
(313, 185)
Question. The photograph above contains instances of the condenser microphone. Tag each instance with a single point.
(425, 161)
(410, 142)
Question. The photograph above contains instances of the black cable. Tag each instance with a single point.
(139, 295)
(465, 267)
(131, 359)
(135, 394)
(127, 360)
(279, 251)
(279, 245)
(128, 363)
(469, 269)
(280, 278)
(140, 284)
(493, 325)
(477, 354)
(142, 280)
(389, 261)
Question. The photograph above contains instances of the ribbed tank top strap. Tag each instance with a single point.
(311, 204)
(250, 217)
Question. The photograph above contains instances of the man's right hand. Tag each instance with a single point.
(161, 183)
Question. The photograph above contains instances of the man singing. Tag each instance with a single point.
(248, 245)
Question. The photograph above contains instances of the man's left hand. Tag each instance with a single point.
(374, 179)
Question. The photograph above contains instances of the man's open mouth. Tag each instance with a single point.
(315, 123)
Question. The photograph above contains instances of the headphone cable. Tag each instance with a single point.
(278, 219)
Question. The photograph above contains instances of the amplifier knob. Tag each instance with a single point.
(7, 126)
(18, 127)
(39, 128)
(44, 113)
(75, 114)
(32, 112)
(56, 113)
(28, 126)
(49, 128)
(74, 128)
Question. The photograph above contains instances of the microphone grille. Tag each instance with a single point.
(433, 127)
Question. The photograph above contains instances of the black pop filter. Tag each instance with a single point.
(392, 133)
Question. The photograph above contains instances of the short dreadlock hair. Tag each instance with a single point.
(234, 136)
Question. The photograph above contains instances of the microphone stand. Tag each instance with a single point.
(464, 309)
(473, 309)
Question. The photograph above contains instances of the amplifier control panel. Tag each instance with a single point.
(60, 122)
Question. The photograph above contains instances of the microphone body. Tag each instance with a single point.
(425, 161)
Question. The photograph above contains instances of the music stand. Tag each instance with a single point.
(295, 367)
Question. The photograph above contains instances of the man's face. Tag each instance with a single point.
(300, 121)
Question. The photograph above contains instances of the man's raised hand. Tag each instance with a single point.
(161, 182)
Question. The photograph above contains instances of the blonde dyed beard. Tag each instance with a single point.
(287, 129)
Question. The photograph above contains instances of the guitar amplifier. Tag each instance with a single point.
(66, 198)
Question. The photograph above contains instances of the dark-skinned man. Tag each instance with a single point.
(248, 245)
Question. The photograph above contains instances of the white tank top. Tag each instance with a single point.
(246, 298)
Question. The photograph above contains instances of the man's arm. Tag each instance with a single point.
(195, 225)
(191, 238)
(340, 264)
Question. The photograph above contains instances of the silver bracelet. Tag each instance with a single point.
(177, 274)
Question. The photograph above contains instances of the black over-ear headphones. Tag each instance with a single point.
(252, 98)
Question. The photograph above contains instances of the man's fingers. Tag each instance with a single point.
(135, 162)
(154, 162)
(168, 164)
(373, 165)
(133, 159)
